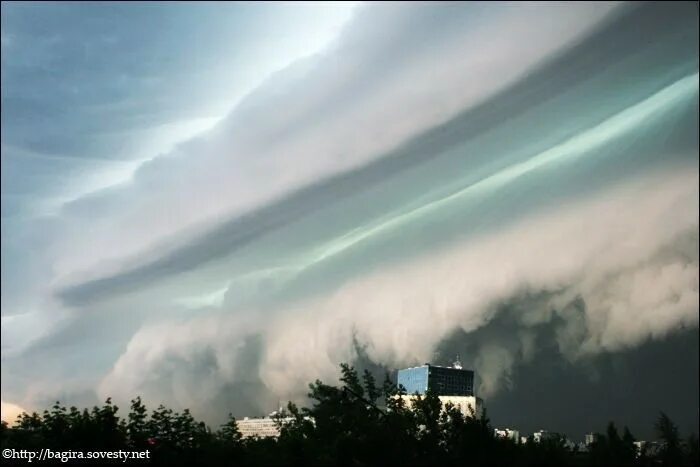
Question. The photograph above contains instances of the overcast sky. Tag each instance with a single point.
(212, 205)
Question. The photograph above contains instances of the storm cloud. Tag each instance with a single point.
(394, 196)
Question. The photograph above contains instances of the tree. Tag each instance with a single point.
(112, 433)
(667, 432)
(692, 450)
(628, 454)
(357, 422)
(229, 431)
(137, 429)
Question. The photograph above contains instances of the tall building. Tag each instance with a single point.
(443, 381)
(453, 385)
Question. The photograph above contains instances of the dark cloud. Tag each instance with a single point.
(549, 391)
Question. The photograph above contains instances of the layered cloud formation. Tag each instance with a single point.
(431, 167)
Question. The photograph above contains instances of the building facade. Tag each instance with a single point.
(443, 381)
(507, 433)
(453, 385)
(544, 435)
(469, 406)
(263, 427)
(591, 438)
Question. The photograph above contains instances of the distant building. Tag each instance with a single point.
(650, 448)
(507, 433)
(263, 427)
(544, 435)
(641, 446)
(568, 444)
(453, 385)
(591, 438)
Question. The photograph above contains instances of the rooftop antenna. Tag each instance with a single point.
(457, 364)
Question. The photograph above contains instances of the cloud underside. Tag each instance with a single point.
(613, 273)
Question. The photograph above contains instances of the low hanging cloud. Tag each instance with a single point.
(633, 265)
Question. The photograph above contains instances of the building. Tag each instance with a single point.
(544, 435)
(262, 427)
(591, 438)
(469, 406)
(444, 381)
(453, 385)
(508, 433)
(649, 448)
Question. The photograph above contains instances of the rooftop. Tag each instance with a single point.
(435, 366)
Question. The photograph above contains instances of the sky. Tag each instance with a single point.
(212, 205)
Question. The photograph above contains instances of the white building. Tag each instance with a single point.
(507, 433)
(468, 405)
(651, 448)
(544, 435)
(263, 427)
(591, 438)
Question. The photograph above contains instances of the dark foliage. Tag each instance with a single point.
(358, 423)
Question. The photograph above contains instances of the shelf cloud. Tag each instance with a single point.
(429, 171)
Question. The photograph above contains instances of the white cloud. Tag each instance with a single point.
(334, 117)
(10, 411)
(610, 252)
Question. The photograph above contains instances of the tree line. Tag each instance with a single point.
(358, 422)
